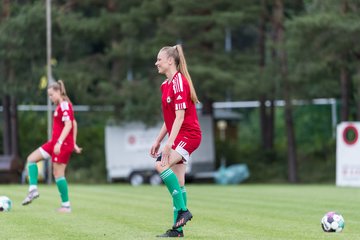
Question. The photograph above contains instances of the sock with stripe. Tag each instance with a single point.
(172, 184)
(63, 190)
(33, 175)
(183, 191)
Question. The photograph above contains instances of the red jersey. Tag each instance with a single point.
(176, 96)
(63, 112)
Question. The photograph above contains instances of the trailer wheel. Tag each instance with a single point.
(136, 179)
(155, 179)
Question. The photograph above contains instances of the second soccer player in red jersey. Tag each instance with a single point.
(59, 147)
(182, 127)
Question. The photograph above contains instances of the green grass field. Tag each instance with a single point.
(220, 212)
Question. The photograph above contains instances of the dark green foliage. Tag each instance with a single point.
(89, 166)
(105, 52)
(32, 131)
(18, 65)
(315, 142)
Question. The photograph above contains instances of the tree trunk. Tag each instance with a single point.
(344, 79)
(69, 5)
(5, 10)
(267, 122)
(357, 83)
(262, 36)
(262, 100)
(278, 12)
(270, 131)
(357, 86)
(111, 5)
(117, 66)
(266, 112)
(14, 127)
(7, 125)
(263, 120)
(6, 99)
(344, 6)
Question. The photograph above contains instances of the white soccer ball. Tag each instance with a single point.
(5, 204)
(332, 222)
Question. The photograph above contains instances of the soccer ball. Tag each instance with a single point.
(332, 222)
(5, 204)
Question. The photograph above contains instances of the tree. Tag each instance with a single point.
(278, 18)
(266, 99)
(325, 43)
(19, 66)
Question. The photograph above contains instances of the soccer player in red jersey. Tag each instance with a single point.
(59, 147)
(182, 127)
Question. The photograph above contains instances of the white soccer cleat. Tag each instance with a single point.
(33, 194)
(64, 209)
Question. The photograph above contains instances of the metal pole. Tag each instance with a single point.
(49, 81)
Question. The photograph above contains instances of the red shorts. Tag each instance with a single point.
(185, 146)
(47, 150)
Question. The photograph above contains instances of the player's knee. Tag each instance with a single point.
(159, 168)
(55, 173)
(58, 173)
(30, 159)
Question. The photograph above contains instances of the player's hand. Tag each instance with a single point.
(165, 155)
(77, 149)
(154, 150)
(57, 148)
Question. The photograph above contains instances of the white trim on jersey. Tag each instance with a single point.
(44, 153)
(178, 84)
(65, 118)
(182, 144)
(164, 82)
(185, 154)
(64, 106)
(180, 106)
(174, 87)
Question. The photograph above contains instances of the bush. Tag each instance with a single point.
(316, 147)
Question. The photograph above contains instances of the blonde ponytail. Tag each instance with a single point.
(183, 69)
(60, 86)
(177, 53)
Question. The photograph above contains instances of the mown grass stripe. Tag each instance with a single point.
(119, 211)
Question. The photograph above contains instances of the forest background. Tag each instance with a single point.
(248, 50)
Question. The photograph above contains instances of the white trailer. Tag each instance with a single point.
(127, 153)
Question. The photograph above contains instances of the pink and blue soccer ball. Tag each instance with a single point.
(332, 222)
(5, 204)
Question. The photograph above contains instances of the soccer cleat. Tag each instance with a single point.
(33, 194)
(64, 209)
(172, 233)
(182, 218)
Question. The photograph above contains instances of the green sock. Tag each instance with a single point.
(63, 189)
(33, 173)
(175, 216)
(183, 191)
(172, 183)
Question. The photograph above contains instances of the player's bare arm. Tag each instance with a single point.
(77, 149)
